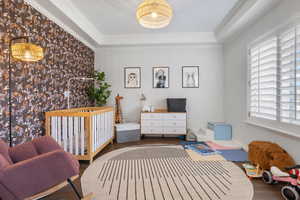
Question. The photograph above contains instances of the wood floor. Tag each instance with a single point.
(261, 190)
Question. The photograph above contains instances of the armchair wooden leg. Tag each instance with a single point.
(87, 197)
(74, 189)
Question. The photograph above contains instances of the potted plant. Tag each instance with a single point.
(99, 92)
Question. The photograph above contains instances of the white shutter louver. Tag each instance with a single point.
(263, 80)
(290, 76)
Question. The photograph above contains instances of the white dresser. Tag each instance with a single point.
(163, 123)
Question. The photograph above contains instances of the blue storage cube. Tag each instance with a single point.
(222, 131)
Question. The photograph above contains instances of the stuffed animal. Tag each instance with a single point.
(267, 154)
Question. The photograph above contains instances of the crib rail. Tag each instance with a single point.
(84, 132)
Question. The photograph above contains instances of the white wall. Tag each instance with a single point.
(235, 58)
(204, 104)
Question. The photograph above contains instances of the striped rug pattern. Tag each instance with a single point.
(163, 173)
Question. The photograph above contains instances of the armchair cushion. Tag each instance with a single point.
(49, 169)
(22, 152)
(45, 144)
(4, 151)
(3, 162)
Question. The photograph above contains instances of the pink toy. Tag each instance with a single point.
(292, 190)
(219, 147)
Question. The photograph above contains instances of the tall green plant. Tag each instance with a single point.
(99, 92)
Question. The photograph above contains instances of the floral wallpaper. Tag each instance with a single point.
(39, 87)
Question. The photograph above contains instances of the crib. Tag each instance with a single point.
(83, 132)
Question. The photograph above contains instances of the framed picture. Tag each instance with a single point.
(132, 77)
(160, 77)
(190, 77)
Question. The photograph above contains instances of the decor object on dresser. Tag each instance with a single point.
(132, 77)
(154, 14)
(35, 169)
(118, 115)
(160, 76)
(128, 132)
(99, 92)
(190, 77)
(176, 104)
(83, 132)
(163, 123)
(21, 51)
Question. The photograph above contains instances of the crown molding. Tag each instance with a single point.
(158, 39)
(74, 14)
(51, 11)
(244, 13)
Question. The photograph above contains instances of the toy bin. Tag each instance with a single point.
(128, 132)
(222, 131)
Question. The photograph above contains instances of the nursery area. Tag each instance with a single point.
(149, 99)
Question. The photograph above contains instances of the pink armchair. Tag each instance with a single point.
(33, 167)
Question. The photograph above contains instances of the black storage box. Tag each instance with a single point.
(176, 104)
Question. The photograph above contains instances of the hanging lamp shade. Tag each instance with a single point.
(154, 14)
(27, 52)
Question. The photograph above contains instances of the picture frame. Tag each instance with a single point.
(132, 77)
(190, 77)
(160, 77)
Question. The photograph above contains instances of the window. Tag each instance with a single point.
(274, 78)
(263, 80)
(290, 76)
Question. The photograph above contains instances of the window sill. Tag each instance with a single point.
(278, 130)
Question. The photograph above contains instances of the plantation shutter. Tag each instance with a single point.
(263, 80)
(290, 76)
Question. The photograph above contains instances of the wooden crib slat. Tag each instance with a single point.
(59, 130)
(54, 128)
(94, 133)
(70, 134)
(101, 133)
(105, 126)
(82, 135)
(76, 133)
(110, 124)
(65, 133)
(99, 130)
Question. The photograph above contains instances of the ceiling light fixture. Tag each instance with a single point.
(154, 14)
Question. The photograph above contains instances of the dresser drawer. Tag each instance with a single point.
(174, 123)
(175, 116)
(175, 130)
(151, 116)
(152, 130)
(150, 123)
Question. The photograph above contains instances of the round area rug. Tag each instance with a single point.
(163, 173)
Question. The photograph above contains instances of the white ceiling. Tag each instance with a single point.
(113, 22)
(117, 17)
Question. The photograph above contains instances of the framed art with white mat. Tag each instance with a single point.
(132, 77)
(190, 77)
(160, 77)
